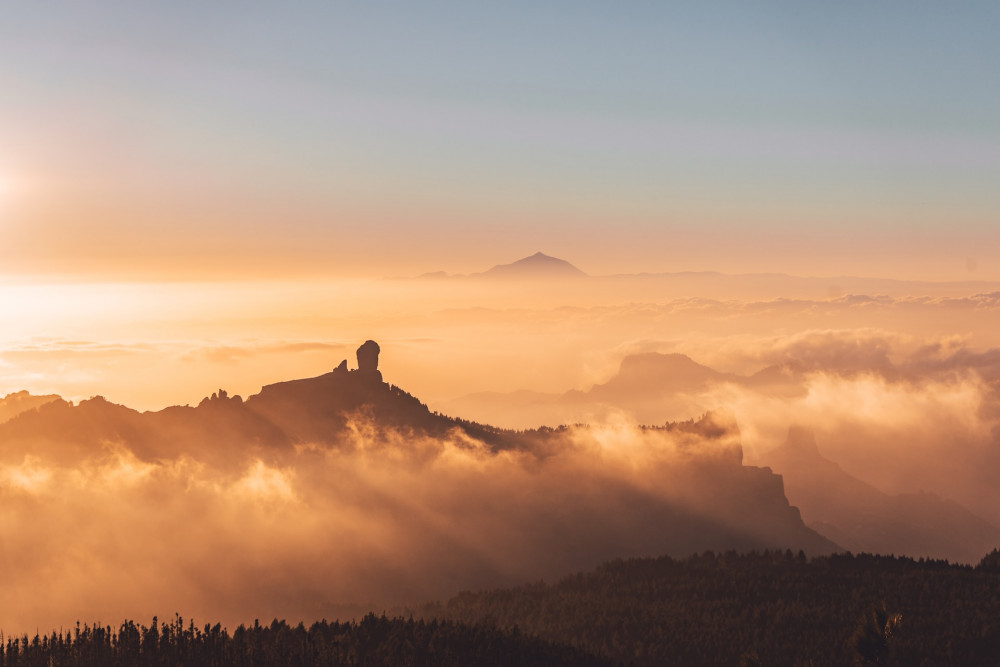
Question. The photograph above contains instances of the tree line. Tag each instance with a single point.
(762, 609)
(374, 640)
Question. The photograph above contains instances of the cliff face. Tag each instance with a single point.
(862, 518)
(746, 505)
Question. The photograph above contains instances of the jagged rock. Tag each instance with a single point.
(342, 368)
(221, 397)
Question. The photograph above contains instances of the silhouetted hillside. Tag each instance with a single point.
(314, 410)
(14, 404)
(774, 608)
(68, 432)
(328, 492)
(705, 497)
(373, 641)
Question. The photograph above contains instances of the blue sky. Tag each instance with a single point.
(832, 137)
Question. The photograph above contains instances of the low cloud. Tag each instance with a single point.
(904, 412)
(234, 353)
(385, 518)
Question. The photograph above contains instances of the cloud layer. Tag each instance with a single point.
(384, 518)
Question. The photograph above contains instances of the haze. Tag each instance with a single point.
(788, 214)
(180, 141)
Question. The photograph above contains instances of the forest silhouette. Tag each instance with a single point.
(759, 608)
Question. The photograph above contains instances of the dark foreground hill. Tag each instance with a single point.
(372, 641)
(767, 608)
(771, 608)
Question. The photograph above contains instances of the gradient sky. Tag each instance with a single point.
(177, 140)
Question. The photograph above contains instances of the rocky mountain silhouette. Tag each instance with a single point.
(717, 502)
(14, 404)
(849, 511)
(652, 374)
(862, 518)
(645, 384)
(312, 410)
(538, 265)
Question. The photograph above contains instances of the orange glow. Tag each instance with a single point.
(779, 222)
(896, 378)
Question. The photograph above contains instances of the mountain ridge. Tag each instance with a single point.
(714, 501)
(15, 403)
(862, 518)
(722, 285)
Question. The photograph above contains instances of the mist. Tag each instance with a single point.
(900, 389)
(905, 413)
(447, 337)
(383, 518)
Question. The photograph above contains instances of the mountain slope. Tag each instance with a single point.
(861, 518)
(14, 404)
(775, 608)
(703, 498)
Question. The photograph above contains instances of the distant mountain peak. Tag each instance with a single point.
(537, 265)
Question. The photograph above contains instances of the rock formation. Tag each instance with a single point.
(220, 397)
(368, 360)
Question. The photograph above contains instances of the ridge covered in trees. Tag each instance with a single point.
(764, 608)
(767, 608)
(374, 640)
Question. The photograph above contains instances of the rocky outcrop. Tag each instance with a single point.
(221, 398)
(368, 361)
(683, 490)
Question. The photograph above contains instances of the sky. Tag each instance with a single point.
(179, 141)
(211, 195)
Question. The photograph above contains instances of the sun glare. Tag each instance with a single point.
(8, 187)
